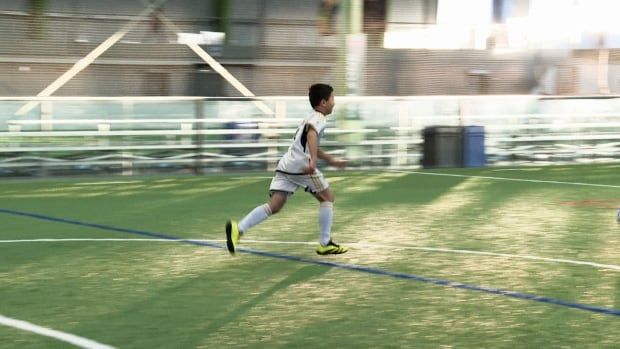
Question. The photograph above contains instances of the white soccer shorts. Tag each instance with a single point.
(287, 182)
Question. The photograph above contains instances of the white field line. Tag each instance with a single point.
(258, 177)
(510, 179)
(108, 183)
(366, 245)
(62, 336)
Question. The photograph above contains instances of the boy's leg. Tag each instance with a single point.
(318, 186)
(254, 217)
(277, 200)
(234, 230)
(326, 215)
(279, 190)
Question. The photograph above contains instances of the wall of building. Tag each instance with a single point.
(274, 47)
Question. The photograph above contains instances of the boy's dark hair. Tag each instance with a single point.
(319, 92)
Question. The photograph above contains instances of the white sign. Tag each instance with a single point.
(204, 38)
(356, 57)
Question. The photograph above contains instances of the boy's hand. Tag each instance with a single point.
(310, 168)
(339, 163)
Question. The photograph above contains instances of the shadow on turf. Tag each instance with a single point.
(245, 305)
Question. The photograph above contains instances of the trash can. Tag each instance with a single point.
(443, 146)
(238, 146)
(241, 138)
(473, 146)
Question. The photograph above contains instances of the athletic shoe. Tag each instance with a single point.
(232, 236)
(331, 248)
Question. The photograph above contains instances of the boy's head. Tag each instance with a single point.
(321, 98)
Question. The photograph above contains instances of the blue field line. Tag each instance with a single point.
(369, 270)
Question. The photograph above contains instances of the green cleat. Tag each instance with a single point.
(232, 236)
(331, 248)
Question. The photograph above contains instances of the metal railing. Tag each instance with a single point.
(66, 135)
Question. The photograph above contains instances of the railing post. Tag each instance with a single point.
(280, 114)
(403, 134)
(198, 141)
(46, 115)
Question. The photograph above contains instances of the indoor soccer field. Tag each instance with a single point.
(459, 258)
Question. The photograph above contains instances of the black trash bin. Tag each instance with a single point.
(443, 146)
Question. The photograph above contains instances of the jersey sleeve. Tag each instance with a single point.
(316, 124)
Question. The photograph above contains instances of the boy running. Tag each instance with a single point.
(298, 168)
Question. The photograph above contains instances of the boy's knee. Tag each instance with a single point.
(326, 204)
(275, 207)
(327, 196)
(330, 197)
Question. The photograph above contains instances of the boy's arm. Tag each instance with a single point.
(316, 153)
(313, 146)
(330, 159)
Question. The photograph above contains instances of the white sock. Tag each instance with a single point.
(257, 215)
(326, 216)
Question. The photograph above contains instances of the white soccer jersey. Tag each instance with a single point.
(298, 155)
